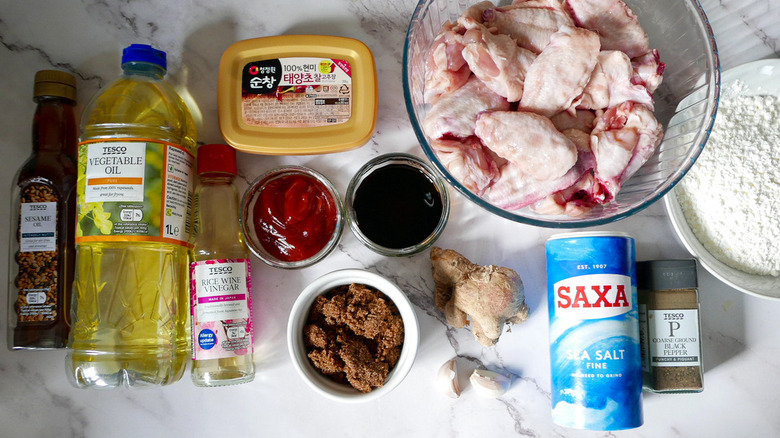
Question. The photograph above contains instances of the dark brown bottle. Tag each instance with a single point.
(43, 222)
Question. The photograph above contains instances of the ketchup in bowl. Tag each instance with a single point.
(292, 217)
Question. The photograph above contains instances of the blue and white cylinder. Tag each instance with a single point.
(594, 331)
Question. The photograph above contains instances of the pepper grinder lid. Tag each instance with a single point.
(55, 83)
(666, 274)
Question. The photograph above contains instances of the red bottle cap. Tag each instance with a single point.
(219, 158)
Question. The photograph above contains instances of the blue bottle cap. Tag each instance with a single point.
(144, 53)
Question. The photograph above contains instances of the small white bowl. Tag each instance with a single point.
(758, 78)
(764, 286)
(298, 316)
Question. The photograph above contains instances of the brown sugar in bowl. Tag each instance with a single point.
(321, 383)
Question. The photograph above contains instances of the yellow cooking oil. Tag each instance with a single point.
(136, 174)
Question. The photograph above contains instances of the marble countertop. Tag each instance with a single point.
(741, 351)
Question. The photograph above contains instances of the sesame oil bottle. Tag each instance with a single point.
(43, 216)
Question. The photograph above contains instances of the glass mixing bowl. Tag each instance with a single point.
(685, 103)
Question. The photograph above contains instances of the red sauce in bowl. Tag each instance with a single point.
(294, 217)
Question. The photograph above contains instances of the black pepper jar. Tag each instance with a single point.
(670, 328)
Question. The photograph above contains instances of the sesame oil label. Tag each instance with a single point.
(38, 257)
(38, 226)
(296, 92)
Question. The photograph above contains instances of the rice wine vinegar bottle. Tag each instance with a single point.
(221, 294)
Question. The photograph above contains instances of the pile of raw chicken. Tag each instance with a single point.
(543, 103)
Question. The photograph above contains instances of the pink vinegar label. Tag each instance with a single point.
(221, 307)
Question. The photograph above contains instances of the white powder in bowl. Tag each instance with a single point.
(731, 197)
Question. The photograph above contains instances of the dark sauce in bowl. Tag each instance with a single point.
(397, 206)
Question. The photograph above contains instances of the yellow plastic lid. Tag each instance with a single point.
(297, 94)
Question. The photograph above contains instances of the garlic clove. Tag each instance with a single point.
(447, 379)
(489, 384)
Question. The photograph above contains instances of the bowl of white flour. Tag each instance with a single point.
(726, 210)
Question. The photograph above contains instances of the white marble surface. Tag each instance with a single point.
(742, 354)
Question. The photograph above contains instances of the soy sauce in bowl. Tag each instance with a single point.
(397, 205)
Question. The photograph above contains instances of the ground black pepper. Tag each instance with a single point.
(670, 326)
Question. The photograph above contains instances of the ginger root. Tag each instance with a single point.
(491, 296)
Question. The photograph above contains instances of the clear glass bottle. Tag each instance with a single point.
(43, 215)
(221, 288)
(135, 182)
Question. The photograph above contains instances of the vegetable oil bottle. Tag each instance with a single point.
(135, 179)
(221, 289)
(43, 209)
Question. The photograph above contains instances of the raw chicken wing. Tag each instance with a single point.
(615, 23)
(649, 70)
(532, 27)
(455, 114)
(624, 138)
(474, 14)
(596, 93)
(515, 189)
(472, 164)
(585, 193)
(610, 84)
(529, 141)
(497, 60)
(561, 71)
(445, 68)
(572, 201)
